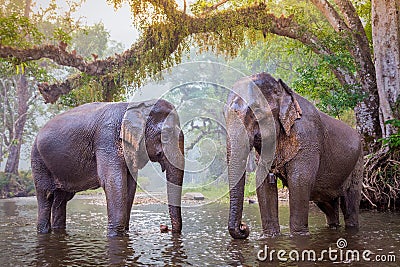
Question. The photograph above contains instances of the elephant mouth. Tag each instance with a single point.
(161, 160)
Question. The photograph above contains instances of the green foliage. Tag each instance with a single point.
(14, 29)
(210, 191)
(348, 116)
(98, 191)
(16, 185)
(143, 183)
(88, 91)
(363, 8)
(62, 35)
(93, 42)
(250, 186)
(276, 55)
(23, 27)
(309, 74)
(318, 83)
(392, 141)
(10, 98)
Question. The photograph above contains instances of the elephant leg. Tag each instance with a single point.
(44, 191)
(301, 173)
(267, 195)
(132, 184)
(349, 205)
(331, 210)
(45, 201)
(350, 201)
(112, 171)
(59, 209)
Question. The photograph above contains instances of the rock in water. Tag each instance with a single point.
(164, 228)
(194, 196)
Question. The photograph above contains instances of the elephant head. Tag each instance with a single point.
(151, 131)
(257, 110)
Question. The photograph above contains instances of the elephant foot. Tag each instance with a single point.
(334, 226)
(59, 231)
(114, 232)
(268, 234)
(299, 233)
(43, 228)
(352, 228)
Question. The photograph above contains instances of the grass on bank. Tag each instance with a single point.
(20, 185)
(221, 191)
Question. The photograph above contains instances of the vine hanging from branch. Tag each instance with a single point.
(161, 45)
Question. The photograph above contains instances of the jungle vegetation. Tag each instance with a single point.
(341, 54)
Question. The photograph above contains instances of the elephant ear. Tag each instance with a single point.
(289, 107)
(133, 131)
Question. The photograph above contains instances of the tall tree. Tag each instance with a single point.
(386, 41)
(14, 149)
(19, 25)
(23, 95)
(225, 27)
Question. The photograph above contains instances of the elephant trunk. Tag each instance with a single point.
(238, 151)
(175, 172)
(174, 192)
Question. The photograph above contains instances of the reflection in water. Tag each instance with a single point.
(9, 208)
(119, 251)
(205, 239)
(174, 253)
(52, 250)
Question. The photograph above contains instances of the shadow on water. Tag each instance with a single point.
(204, 241)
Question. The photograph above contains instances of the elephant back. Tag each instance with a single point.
(133, 132)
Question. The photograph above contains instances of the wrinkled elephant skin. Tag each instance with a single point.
(319, 158)
(83, 148)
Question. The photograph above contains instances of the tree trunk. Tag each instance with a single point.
(349, 25)
(386, 41)
(367, 113)
(19, 125)
(15, 147)
(367, 118)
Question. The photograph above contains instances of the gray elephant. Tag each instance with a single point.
(84, 148)
(319, 158)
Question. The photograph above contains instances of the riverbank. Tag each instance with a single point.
(144, 198)
(20, 185)
(16, 189)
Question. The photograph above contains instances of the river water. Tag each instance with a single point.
(205, 240)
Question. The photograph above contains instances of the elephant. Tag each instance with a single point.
(317, 157)
(104, 145)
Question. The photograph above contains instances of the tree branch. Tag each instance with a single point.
(151, 53)
(350, 15)
(215, 6)
(359, 48)
(202, 135)
(331, 15)
(169, 7)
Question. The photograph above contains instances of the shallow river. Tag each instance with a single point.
(205, 240)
